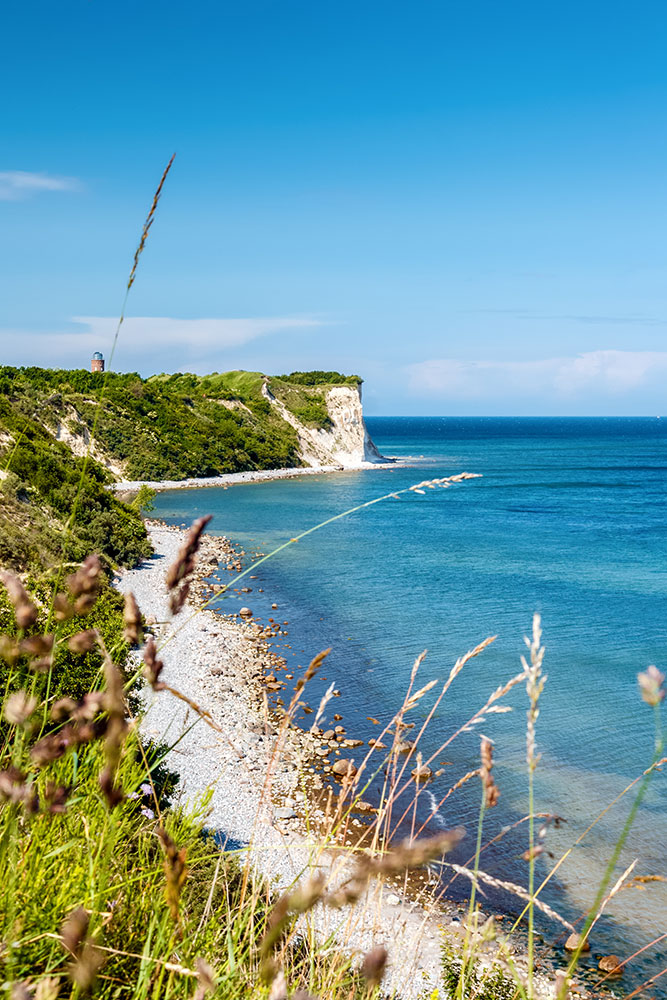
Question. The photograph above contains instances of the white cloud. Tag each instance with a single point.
(16, 185)
(141, 334)
(608, 372)
(147, 343)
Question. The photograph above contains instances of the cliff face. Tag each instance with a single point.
(344, 442)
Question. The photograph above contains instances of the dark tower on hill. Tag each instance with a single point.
(97, 362)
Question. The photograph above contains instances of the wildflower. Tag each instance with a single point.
(651, 685)
(18, 708)
(146, 788)
(148, 813)
(24, 610)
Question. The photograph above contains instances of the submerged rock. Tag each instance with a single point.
(574, 941)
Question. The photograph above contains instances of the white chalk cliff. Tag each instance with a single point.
(346, 444)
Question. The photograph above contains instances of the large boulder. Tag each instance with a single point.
(344, 768)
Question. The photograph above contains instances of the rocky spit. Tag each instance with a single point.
(237, 478)
(258, 773)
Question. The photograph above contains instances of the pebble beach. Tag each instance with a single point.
(257, 773)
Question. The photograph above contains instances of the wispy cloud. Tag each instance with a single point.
(147, 343)
(16, 185)
(608, 372)
(633, 319)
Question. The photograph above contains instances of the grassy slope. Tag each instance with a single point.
(44, 486)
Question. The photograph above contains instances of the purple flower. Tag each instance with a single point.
(148, 813)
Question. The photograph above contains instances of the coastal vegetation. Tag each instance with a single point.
(163, 427)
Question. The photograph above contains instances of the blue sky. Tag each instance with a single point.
(464, 203)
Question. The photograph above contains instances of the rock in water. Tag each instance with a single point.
(245, 613)
(573, 942)
(344, 768)
(610, 963)
(422, 773)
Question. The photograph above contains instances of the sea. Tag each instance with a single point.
(568, 520)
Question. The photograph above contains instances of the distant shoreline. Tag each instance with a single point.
(251, 476)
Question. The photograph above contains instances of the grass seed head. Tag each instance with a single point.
(491, 790)
(82, 642)
(86, 580)
(184, 563)
(205, 979)
(175, 870)
(18, 708)
(652, 685)
(24, 610)
(132, 618)
(153, 666)
(13, 787)
(373, 966)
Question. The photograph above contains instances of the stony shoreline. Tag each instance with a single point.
(252, 476)
(257, 771)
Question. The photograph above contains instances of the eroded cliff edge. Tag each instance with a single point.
(343, 441)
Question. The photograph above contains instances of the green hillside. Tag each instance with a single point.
(163, 427)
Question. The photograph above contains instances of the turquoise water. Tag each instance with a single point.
(569, 520)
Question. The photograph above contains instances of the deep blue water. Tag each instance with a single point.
(569, 520)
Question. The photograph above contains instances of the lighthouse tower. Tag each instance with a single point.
(97, 362)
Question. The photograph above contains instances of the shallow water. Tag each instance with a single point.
(569, 520)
